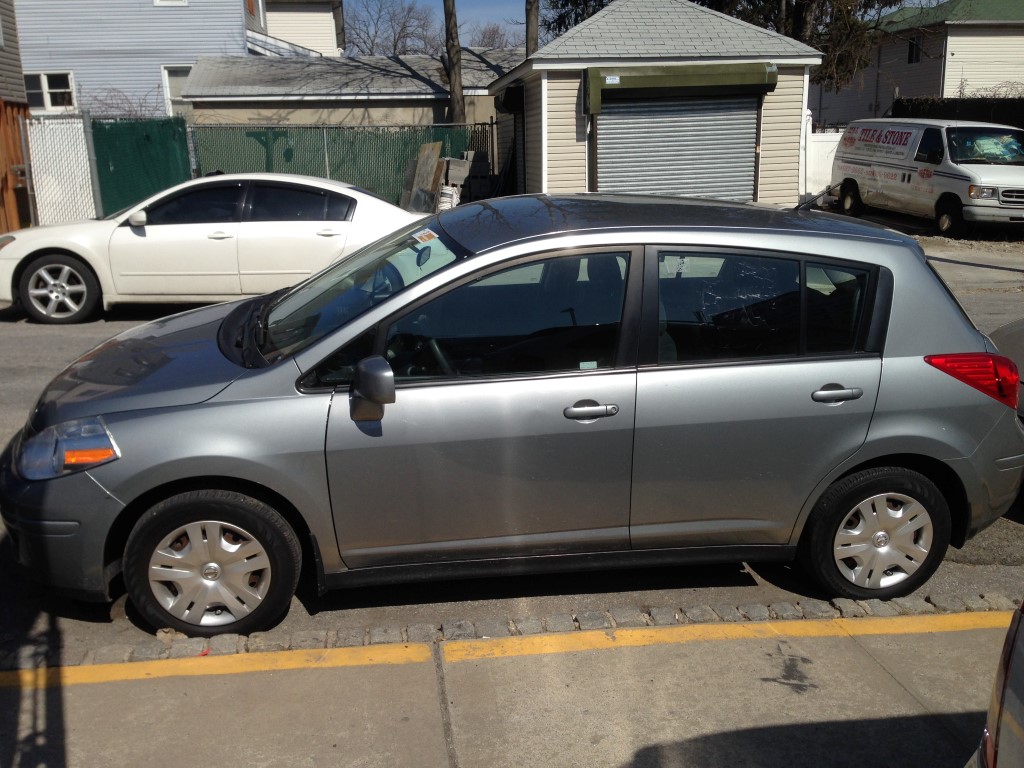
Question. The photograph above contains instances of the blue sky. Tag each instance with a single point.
(480, 12)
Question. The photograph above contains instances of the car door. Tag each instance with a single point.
(289, 232)
(188, 246)
(512, 430)
(757, 383)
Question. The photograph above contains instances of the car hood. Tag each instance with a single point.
(72, 231)
(998, 175)
(166, 363)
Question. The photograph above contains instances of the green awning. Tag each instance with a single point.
(638, 83)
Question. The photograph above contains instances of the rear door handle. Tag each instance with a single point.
(328, 233)
(836, 393)
(585, 412)
(220, 235)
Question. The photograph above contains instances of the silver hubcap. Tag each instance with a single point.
(209, 573)
(883, 541)
(57, 290)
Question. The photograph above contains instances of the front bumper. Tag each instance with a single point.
(59, 530)
(986, 214)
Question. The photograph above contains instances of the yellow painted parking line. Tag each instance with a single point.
(456, 651)
(373, 655)
(572, 642)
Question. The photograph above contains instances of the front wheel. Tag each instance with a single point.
(880, 533)
(58, 289)
(208, 562)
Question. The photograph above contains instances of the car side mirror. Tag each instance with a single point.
(137, 219)
(372, 387)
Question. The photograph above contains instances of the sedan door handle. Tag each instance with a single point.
(218, 235)
(836, 393)
(585, 412)
(328, 233)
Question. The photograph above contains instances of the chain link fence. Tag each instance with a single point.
(374, 158)
(132, 159)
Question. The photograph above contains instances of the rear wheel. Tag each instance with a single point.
(849, 199)
(208, 562)
(880, 533)
(58, 289)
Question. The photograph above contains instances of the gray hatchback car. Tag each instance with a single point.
(529, 384)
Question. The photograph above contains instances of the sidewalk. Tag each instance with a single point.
(905, 691)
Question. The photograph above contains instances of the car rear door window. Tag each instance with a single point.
(560, 314)
(279, 202)
(720, 306)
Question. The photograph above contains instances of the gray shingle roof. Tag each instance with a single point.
(676, 29)
(330, 77)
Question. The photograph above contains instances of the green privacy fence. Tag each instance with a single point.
(374, 158)
(137, 158)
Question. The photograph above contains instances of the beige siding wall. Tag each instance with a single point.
(534, 136)
(567, 134)
(874, 89)
(782, 115)
(309, 25)
(12, 85)
(982, 59)
(326, 113)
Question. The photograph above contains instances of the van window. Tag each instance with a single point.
(930, 150)
(985, 146)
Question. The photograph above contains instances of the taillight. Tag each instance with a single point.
(994, 375)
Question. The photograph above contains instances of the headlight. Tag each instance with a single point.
(982, 193)
(73, 446)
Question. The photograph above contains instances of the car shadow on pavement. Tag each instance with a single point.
(504, 587)
(938, 741)
(131, 313)
(32, 729)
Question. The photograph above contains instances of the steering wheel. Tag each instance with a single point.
(441, 358)
(386, 281)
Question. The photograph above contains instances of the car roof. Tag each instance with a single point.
(268, 176)
(487, 224)
(931, 121)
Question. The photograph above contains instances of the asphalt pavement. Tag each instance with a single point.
(903, 691)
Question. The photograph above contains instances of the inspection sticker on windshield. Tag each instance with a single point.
(425, 235)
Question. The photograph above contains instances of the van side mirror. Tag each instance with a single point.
(373, 385)
(934, 156)
(137, 219)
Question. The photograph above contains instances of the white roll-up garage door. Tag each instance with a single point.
(703, 147)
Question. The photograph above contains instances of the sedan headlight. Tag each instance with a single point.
(982, 193)
(73, 446)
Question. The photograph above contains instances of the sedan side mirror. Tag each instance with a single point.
(137, 219)
(372, 387)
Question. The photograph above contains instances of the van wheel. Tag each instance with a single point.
(949, 218)
(849, 199)
(879, 533)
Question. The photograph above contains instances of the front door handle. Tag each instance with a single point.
(328, 233)
(218, 235)
(589, 410)
(836, 393)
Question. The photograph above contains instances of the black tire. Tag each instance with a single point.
(888, 557)
(849, 199)
(241, 585)
(58, 289)
(949, 218)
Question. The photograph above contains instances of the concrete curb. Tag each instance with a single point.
(168, 644)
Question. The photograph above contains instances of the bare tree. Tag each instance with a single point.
(493, 35)
(532, 24)
(454, 50)
(390, 28)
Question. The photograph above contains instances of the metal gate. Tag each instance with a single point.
(697, 147)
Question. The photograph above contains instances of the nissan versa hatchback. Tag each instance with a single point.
(529, 384)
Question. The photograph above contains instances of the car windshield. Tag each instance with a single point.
(989, 146)
(347, 289)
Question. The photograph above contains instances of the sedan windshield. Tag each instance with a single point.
(988, 146)
(349, 288)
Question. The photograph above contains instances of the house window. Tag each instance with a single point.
(51, 91)
(914, 50)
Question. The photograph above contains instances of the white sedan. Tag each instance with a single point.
(207, 240)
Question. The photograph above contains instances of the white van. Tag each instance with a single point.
(943, 169)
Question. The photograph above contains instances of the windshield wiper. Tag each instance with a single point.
(243, 332)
